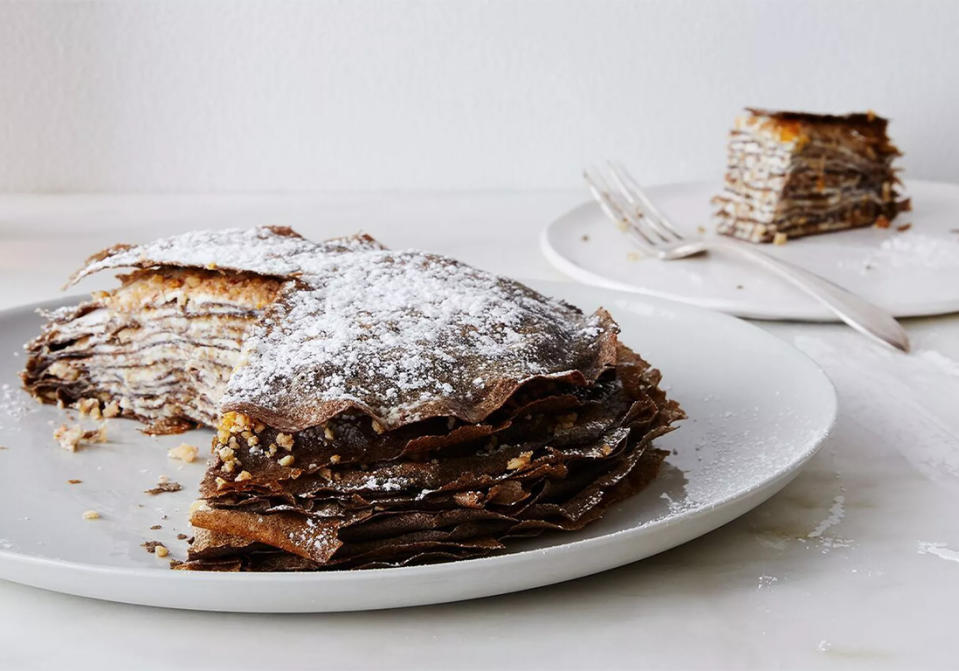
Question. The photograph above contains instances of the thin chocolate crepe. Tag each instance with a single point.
(400, 407)
(792, 174)
(372, 408)
(162, 346)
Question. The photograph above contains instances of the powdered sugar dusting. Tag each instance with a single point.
(264, 250)
(394, 332)
(916, 250)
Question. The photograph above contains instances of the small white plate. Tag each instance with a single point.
(758, 409)
(910, 273)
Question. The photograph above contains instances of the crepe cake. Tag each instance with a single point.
(792, 174)
(161, 347)
(395, 408)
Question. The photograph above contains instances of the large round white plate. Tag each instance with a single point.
(758, 409)
(910, 273)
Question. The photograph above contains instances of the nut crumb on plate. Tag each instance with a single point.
(184, 452)
(91, 515)
(71, 437)
(164, 484)
(155, 547)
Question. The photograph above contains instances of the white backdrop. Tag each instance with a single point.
(258, 95)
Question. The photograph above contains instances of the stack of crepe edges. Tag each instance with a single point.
(792, 174)
(161, 347)
(372, 408)
(397, 408)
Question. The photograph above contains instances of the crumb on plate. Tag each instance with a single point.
(184, 452)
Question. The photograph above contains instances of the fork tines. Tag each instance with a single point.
(623, 200)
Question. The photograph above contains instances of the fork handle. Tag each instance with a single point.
(860, 314)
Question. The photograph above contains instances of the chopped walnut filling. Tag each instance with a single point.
(90, 406)
(522, 461)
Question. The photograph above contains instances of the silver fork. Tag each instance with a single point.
(624, 201)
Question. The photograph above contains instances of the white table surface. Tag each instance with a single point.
(854, 565)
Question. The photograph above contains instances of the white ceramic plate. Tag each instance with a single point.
(910, 273)
(758, 410)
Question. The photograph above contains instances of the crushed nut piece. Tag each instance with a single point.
(469, 499)
(328, 433)
(184, 452)
(220, 483)
(780, 238)
(70, 438)
(228, 466)
(287, 460)
(226, 453)
(89, 406)
(156, 526)
(377, 427)
(242, 475)
(903, 227)
(74, 482)
(881, 222)
(521, 461)
(155, 547)
(111, 409)
(164, 485)
(284, 440)
(91, 515)
(259, 427)
(335, 459)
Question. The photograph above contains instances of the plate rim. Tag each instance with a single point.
(24, 568)
(732, 307)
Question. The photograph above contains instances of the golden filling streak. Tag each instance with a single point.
(157, 287)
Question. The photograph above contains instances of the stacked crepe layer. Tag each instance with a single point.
(162, 346)
(795, 174)
(398, 407)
